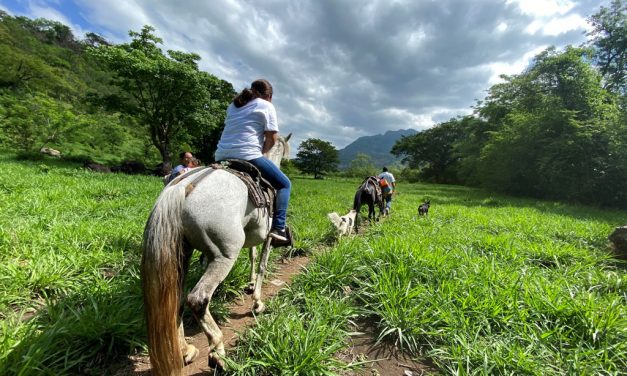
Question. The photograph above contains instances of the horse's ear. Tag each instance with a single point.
(287, 138)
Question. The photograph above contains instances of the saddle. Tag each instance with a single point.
(375, 183)
(260, 191)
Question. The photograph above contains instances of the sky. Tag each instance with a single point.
(342, 69)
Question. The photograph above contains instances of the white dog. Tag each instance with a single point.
(344, 224)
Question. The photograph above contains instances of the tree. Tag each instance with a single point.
(204, 137)
(431, 151)
(170, 95)
(551, 132)
(317, 157)
(609, 37)
(32, 121)
(361, 166)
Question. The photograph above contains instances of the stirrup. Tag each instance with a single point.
(283, 243)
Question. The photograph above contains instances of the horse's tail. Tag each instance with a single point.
(162, 252)
(357, 200)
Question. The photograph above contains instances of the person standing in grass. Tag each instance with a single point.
(251, 129)
(388, 187)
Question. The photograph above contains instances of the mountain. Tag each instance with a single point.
(377, 147)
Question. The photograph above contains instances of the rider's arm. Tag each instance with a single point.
(270, 138)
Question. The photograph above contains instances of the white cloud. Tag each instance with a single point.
(117, 16)
(543, 8)
(512, 67)
(561, 25)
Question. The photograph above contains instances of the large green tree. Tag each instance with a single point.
(361, 166)
(609, 39)
(317, 157)
(431, 151)
(173, 99)
(552, 126)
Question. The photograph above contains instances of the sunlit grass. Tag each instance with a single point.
(484, 284)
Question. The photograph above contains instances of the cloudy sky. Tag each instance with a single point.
(346, 68)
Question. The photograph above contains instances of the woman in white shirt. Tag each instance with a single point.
(250, 131)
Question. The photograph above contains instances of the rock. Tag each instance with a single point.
(619, 239)
(50, 151)
(132, 167)
(97, 167)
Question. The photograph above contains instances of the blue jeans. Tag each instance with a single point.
(281, 183)
(388, 201)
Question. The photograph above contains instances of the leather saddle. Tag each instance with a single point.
(260, 191)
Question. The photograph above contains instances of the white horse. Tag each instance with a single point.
(211, 213)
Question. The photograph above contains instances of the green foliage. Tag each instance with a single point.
(290, 342)
(31, 121)
(317, 157)
(553, 138)
(553, 131)
(170, 95)
(361, 166)
(431, 151)
(609, 37)
(45, 82)
(486, 284)
(52, 88)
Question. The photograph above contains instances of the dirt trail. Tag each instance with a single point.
(382, 360)
(239, 318)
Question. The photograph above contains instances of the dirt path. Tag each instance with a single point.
(239, 318)
(381, 359)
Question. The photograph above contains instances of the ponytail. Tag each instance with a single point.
(243, 98)
(258, 89)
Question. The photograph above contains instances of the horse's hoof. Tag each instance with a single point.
(259, 307)
(191, 354)
(250, 288)
(216, 361)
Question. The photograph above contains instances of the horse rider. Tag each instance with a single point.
(251, 129)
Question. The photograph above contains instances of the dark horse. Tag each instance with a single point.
(369, 193)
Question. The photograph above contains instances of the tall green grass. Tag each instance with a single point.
(483, 285)
(70, 292)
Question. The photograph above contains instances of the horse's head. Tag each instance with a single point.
(280, 150)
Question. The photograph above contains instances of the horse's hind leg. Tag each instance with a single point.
(190, 352)
(199, 298)
(253, 270)
(258, 305)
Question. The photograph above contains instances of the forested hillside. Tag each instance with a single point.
(557, 130)
(61, 92)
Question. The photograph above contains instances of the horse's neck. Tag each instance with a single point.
(276, 159)
(275, 155)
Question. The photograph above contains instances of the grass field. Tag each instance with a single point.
(484, 285)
